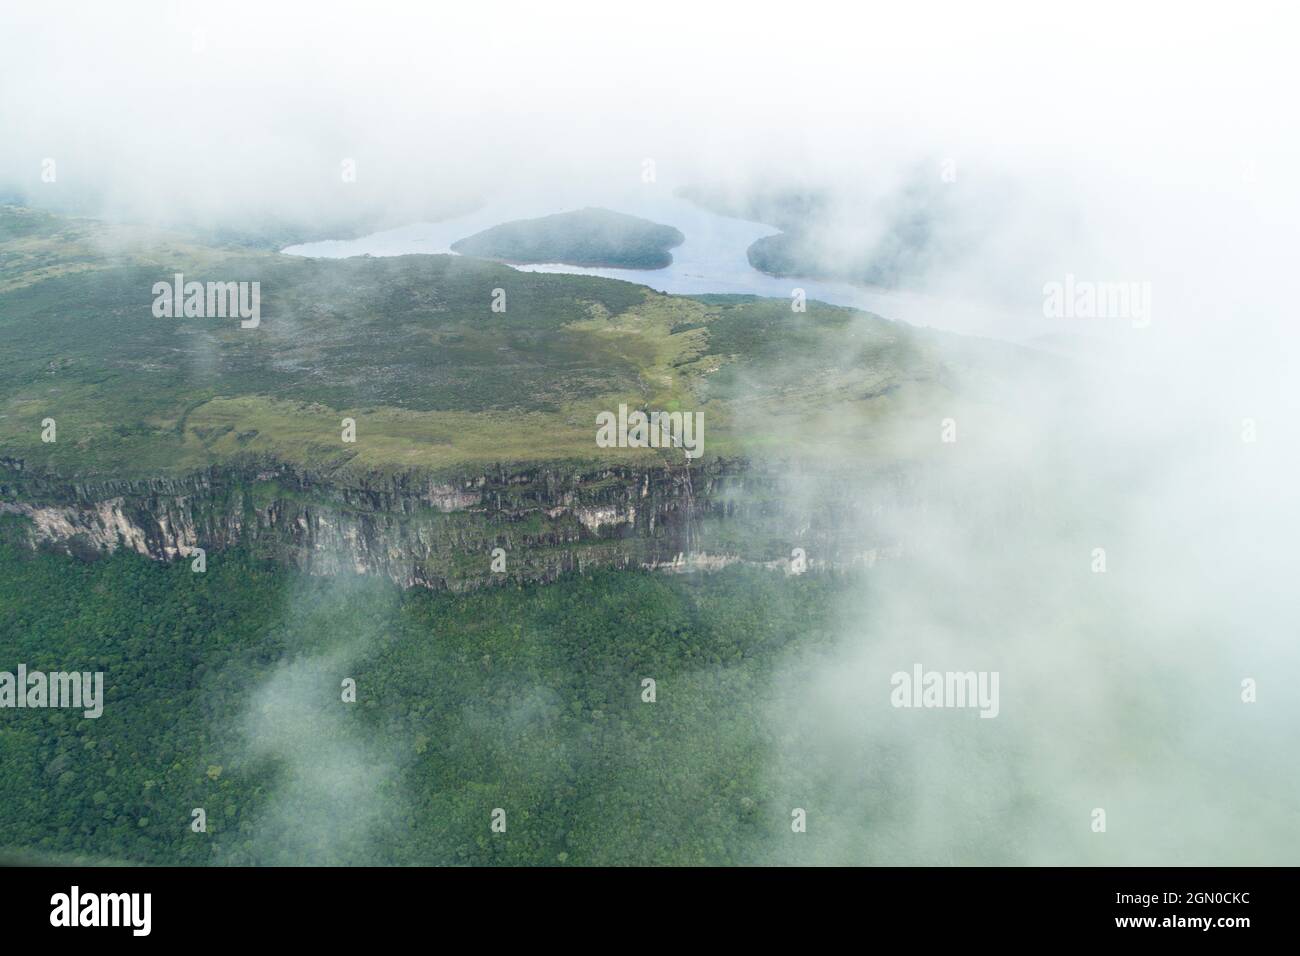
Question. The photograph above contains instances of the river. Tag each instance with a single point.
(711, 260)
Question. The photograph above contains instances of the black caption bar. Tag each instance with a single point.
(334, 905)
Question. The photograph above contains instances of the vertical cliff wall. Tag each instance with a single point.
(441, 532)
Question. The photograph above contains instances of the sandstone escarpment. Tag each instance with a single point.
(443, 532)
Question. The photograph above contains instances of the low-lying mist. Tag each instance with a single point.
(1126, 575)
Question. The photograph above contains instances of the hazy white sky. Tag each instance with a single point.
(252, 91)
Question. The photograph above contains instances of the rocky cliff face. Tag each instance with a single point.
(444, 532)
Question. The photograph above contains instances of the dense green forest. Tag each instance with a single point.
(584, 237)
(223, 692)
